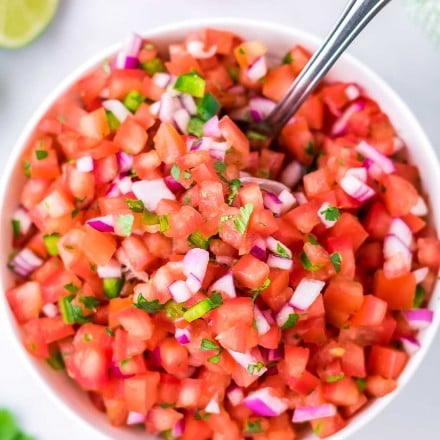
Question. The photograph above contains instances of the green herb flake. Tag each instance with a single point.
(255, 135)
(288, 59)
(255, 368)
(9, 430)
(281, 251)
(175, 172)
(336, 260)
(419, 296)
(27, 169)
(216, 358)
(56, 361)
(216, 299)
(242, 220)
(195, 126)
(198, 240)
(150, 218)
(112, 121)
(164, 223)
(307, 264)
(234, 188)
(87, 337)
(253, 427)
(310, 148)
(109, 331)
(133, 100)
(312, 239)
(241, 51)
(125, 224)
(75, 212)
(135, 205)
(125, 362)
(89, 302)
(41, 154)
(153, 66)
(174, 310)
(71, 288)
(208, 344)
(16, 228)
(150, 307)
(201, 416)
(318, 428)
(331, 213)
(256, 292)
(51, 243)
(220, 168)
(336, 378)
(187, 174)
(72, 314)
(291, 321)
(361, 383)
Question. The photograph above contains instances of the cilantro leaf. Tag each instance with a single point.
(252, 368)
(419, 296)
(336, 261)
(197, 239)
(253, 427)
(71, 288)
(208, 344)
(41, 154)
(361, 383)
(135, 205)
(175, 172)
(220, 168)
(310, 148)
(256, 292)
(291, 321)
(241, 221)
(282, 251)
(56, 361)
(311, 239)
(164, 223)
(287, 59)
(16, 227)
(216, 299)
(216, 358)
(307, 264)
(71, 313)
(336, 378)
(125, 224)
(89, 302)
(109, 331)
(151, 307)
(234, 187)
(318, 428)
(331, 213)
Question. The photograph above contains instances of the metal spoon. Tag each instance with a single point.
(356, 15)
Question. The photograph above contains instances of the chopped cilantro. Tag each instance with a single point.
(208, 344)
(253, 427)
(282, 251)
(220, 168)
(187, 174)
(75, 212)
(307, 264)
(336, 261)
(16, 227)
(153, 66)
(361, 383)
(199, 416)
(419, 296)
(331, 213)
(89, 302)
(151, 307)
(216, 358)
(51, 243)
(133, 100)
(234, 187)
(87, 337)
(311, 239)
(125, 224)
(9, 430)
(254, 135)
(125, 362)
(256, 292)
(41, 154)
(241, 51)
(195, 126)
(310, 148)
(71, 288)
(197, 239)
(112, 121)
(56, 361)
(242, 220)
(175, 172)
(109, 331)
(71, 313)
(252, 368)
(287, 59)
(164, 224)
(27, 169)
(336, 378)
(291, 321)
(135, 205)
(318, 428)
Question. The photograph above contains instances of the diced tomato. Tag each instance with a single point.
(161, 419)
(277, 82)
(428, 252)
(131, 137)
(387, 362)
(372, 311)
(298, 139)
(250, 271)
(173, 356)
(378, 386)
(398, 292)
(25, 301)
(95, 124)
(190, 393)
(98, 247)
(398, 194)
(168, 143)
(136, 322)
(141, 391)
(342, 392)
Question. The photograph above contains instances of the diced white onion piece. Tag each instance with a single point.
(181, 118)
(263, 402)
(197, 49)
(420, 208)
(291, 174)
(260, 321)
(84, 164)
(410, 344)
(246, 359)
(356, 188)
(306, 413)
(189, 103)
(321, 214)
(288, 200)
(352, 92)
(276, 246)
(258, 69)
(117, 108)
(51, 310)
(401, 230)
(213, 407)
(113, 269)
(276, 262)
(151, 192)
(369, 152)
(225, 284)
(359, 172)
(161, 79)
(24, 221)
(306, 293)
(420, 274)
(179, 291)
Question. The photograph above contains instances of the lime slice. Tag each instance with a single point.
(21, 21)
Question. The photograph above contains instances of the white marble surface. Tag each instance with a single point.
(392, 45)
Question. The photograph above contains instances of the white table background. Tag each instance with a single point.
(393, 46)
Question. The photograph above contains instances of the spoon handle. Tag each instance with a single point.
(356, 15)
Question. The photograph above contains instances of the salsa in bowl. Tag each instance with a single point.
(198, 283)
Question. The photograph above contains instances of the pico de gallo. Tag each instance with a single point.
(203, 281)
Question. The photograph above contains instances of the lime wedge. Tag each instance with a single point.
(21, 21)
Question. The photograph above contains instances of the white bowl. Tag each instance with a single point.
(279, 39)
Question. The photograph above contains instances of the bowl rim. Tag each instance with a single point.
(185, 26)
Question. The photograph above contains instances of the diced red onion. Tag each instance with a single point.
(155, 108)
(135, 418)
(113, 191)
(189, 103)
(178, 429)
(260, 321)
(168, 107)
(161, 79)
(258, 69)
(84, 164)
(306, 293)
(401, 230)
(183, 335)
(397, 264)
(356, 188)
(181, 118)
(274, 355)
(117, 108)
(225, 284)
(373, 169)
(262, 106)
(321, 214)
(263, 402)
(272, 202)
(352, 92)
(306, 413)
(420, 274)
(300, 198)
(194, 283)
(23, 219)
(339, 126)
(197, 49)
(235, 395)
(288, 200)
(102, 224)
(151, 192)
(173, 185)
(266, 184)
(369, 152)
(246, 359)
(277, 262)
(112, 269)
(291, 174)
(419, 319)
(195, 262)
(133, 44)
(420, 208)
(125, 161)
(218, 155)
(211, 127)
(283, 315)
(51, 310)
(359, 172)
(258, 252)
(179, 291)
(410, 344)
(25, 262)
(255, 115)
(274, 245)
(213, 407)
(224, 259)
(126, 61)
